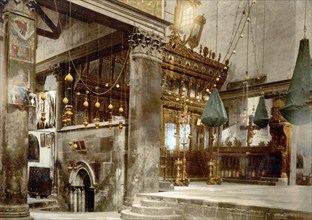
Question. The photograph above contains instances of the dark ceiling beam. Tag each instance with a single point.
(269, 90)
(46, 19)
(83, 14)
(101, 53)
(55, 34)
(63, 7)
(92, 50)
(48, 34)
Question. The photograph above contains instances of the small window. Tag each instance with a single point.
(187, 16)
(80, 146)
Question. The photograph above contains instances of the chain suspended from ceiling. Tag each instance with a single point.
(238, 34)
(78, 78)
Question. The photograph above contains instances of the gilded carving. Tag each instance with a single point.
(281, 132)
(186, 75)
(276, 115)
(146, 42)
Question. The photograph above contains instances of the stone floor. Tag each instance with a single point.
(297, 198)
(43, 215)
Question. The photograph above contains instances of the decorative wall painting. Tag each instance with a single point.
(21, 58)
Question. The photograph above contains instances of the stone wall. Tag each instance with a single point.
(105, 157)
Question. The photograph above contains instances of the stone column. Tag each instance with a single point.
(71, 199)
(59, 75)
(144, 113)
(79, 198)
(14, 134)
(83, 200)
(75, 199)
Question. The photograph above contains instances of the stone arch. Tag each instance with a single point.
(82, 185)
(82, 165)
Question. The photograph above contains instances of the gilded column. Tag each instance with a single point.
(14, 111)
(281, 132)
(177, 134)
(192, 126)
(144, 113)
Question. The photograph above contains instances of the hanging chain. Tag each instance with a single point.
(263, 36)
(305, 20)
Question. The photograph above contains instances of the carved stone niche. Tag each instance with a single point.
(281, 132)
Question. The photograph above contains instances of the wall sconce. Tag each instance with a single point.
(196, 31)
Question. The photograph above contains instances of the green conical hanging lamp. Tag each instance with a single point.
(261, 118)
(296, 110)
(214, 114)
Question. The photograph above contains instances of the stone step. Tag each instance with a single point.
(128, 215)
(48, 208)
(152, 203)
(145, 210)
(42, 203)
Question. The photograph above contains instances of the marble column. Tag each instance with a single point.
(14, 134)
(71, 199)
(83, 200)
(75, 200)
(79, 199)
(144, 113)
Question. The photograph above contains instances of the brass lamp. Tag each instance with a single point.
(196, 31)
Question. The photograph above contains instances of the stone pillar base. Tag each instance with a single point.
(15, 212)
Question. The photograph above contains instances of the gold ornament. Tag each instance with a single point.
(121, 109)
(86, 103)
(85, 121)
(120, 125)
(42, 118)
(110, 106)
(65, 100)
(43, 96)
(69, 167)
(97, 123)
(69, 78)
(75, 146)
(97, 104)
(64, 122)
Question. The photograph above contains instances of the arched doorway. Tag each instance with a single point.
(82, 188)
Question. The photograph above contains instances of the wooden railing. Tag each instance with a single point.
(196, 163)
(235, 162)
